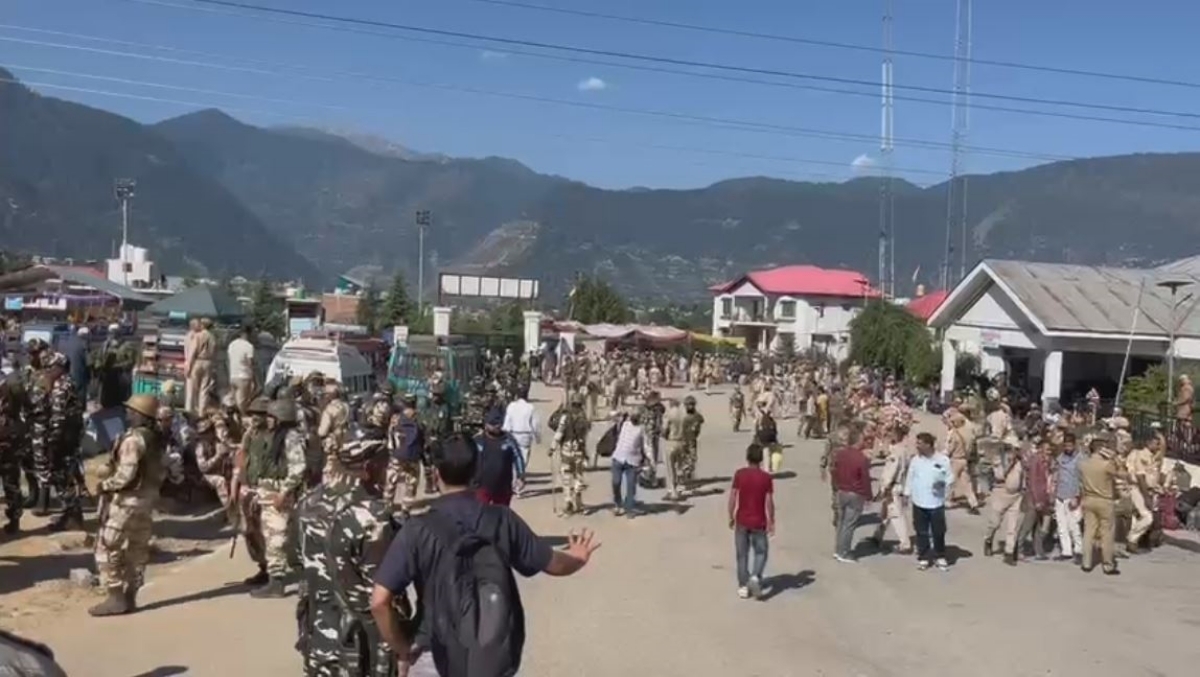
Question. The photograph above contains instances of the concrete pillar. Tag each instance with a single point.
(949, 364)
(1052, 378)
(441, 321)
(533, 331)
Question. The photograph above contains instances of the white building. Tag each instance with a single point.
(132, 267)
(1060, 329)
(815, 305)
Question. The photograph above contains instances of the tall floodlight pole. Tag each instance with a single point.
(956, 193)
(423, 220)
(124, 189)
(887, 217)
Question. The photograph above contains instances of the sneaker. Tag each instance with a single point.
(618, 511)
(755, 587)
(744, 593)
(942, 564)
(845, 560)
(922, 565)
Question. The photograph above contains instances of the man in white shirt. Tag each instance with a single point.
(626, 463)
(241, 368)
(521, 421)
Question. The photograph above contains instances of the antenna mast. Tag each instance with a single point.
(887, 216)
(956, 192)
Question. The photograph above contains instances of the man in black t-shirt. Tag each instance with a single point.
(416, 552)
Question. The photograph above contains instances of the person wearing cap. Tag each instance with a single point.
(501, 465)
(345, 525)
(1098, 474)
(333, 428)
(129, 487)
(1004, 506)
(407, 446)
(693, 421)
(244, 507)
(960, 439)
(652, 413)
(570, 439)
(276, 466)
(1143, 464)
(56, 423)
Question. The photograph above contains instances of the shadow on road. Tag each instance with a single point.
(783, 582)
(18, 573)
(704, 482)
(223, 591)
(164, 671)
(955, 553)
(1182, 544)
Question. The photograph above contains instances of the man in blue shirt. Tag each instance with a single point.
(1067, 510)
(925, 488)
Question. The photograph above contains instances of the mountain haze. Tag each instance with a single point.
(215, 194)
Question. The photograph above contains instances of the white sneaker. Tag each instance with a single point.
(845, 560)
(942, 564)
(744, 593)
(755, 587)
(922, 565)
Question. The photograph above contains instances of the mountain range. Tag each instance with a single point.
(217, 196)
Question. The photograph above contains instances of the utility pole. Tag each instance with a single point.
(1174, 286)
(887, 216)
(423, 221)
(124, 190)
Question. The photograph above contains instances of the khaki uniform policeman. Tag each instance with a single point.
(1004, 507)
(1098, 474)
(959, 441)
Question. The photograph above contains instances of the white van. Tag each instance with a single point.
(343, 363)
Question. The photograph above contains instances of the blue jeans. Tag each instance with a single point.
(743, 540)
(628, 473)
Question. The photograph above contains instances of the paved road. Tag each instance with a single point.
(659, 598)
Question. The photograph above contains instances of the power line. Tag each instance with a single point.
(656, 59)
(142, 83)
(835, 45)
(342, 76)
(646, 68)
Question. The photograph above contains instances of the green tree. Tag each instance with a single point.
(367, 313)
(786, 348)
(1148, 390)
(508, 318)
(266, 310)
(397, 309)
(888, 336)
(189, 282)
(593, 301)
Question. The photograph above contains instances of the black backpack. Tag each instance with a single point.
(475, 607)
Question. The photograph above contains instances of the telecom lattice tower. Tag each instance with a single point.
(956, 191)
(887, 210)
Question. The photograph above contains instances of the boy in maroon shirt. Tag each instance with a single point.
(752, 518)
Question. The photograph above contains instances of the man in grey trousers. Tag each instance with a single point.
(851, 475)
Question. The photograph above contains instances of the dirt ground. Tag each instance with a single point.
(659, 597)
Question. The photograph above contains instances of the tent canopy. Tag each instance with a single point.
(202, 301)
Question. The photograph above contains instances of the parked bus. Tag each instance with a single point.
(414, 362)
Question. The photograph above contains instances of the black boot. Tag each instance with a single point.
(1010, 559)
(41, 502)
(987, 548)
(258, 579)
(71, 519)
(113, 605)
(32, 497)
(12, 526)
(272, 590)
(131, 598)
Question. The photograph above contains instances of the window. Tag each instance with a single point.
(787, 310)
(726, 308)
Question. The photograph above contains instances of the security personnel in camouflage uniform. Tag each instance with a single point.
(14, 440)
(474, 407)
(692, 422)
(128, 490)
(652, 426)
(275, 469)
(345, 525)
(37, 463)
(245, 509)
(571, 442)
(437, 424)
(381, 408)
(333, 430)
(56, 423)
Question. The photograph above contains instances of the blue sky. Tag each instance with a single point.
(422, 105)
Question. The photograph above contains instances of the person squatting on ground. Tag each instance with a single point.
(571, 442)
(752, 518)
(128, 489)
(275, 471)
(345, 526)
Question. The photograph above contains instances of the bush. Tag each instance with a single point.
(1148, 391)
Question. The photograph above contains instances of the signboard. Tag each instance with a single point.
(989, 338)
(482, 286)
(400, 335)
(177, 315)
(14, 303)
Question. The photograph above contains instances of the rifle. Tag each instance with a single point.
(555, 469)
(105, 503)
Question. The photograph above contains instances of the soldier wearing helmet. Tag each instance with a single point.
(683, 430)
(129, 487)
(570, 440)
(213, 456)
(333, 429)
(243, 509)
(276, 465)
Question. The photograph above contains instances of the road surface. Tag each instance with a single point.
(660, 598)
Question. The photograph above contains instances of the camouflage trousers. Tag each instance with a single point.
(570, 473)
(319, 633)
(406, 474)
(219, 484)
(686, 457)
(123, 544)
(66, 475)
(273, 530)
(10, 477)
(251, 526)
(43, 459)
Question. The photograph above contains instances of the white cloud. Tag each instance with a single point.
(489, 55)
(863, 163)
(592, 84)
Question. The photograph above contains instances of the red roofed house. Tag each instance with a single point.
(813, 304)
(924, 304)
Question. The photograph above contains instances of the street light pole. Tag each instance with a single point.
(1174, 286)
(123, 189)
(423, 220)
